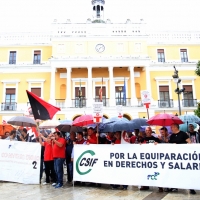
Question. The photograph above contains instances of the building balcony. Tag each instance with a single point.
(60, 103)
(79, 102)
(104, 100)
(123, 101)
(166, 103)
(140, 104)
(12, 106)
(189, 102)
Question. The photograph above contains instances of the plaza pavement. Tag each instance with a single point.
(12, 191)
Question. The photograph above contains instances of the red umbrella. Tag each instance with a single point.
(164, 120)
(83, 120)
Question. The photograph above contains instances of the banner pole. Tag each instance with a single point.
(148, 113)
(97, 133)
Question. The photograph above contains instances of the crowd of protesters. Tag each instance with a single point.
(57, 149)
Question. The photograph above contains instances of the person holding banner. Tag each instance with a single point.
(69, 146)
(110, 137)
(25, 137)
(92, 137)
(193, 135)
(179, 137)
(12, 136)
(59, 144)
(80, 140)
(149, 139)
(165, 136)
(118, 141)
(48, 158)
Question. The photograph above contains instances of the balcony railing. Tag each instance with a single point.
(9, 106)
(79, 102)
(166, 103)
(189, 102)
(60, 103)
(140, 104)
(123, 102)
(104, 100)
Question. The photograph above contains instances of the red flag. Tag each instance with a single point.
(40, 108)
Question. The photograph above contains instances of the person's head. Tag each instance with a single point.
(175, 128)
(72, 136)
(111, 134)
(7, 133)
(90, 131)
(129, 134)
(191, 127)
(13, 134)
(24, 132)
(164, 131)
(148, 131)
(79, 135)
(136, 131)
(118, 135)
(57, 135)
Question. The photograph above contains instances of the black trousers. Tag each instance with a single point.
(49, 171)
(69, 171)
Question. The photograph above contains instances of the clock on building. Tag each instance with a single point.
(100, 48)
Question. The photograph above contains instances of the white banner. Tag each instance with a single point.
(20, 161)
(162, 165)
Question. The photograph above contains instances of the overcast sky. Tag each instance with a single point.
(37, 15)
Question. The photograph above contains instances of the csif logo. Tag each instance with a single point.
(84, 162)
(153, 177)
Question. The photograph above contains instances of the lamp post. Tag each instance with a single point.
(178, 91)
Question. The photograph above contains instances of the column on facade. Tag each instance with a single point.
(112, 87)
(68, 88)
(89, 87)
(134, 100)
(148, 83)
(52, 88)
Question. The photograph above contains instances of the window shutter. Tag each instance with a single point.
(160, 50)
(10, 90)
(37, 52)
(188, 88)
(36, 91)
(164, 88)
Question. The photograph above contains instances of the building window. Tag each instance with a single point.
(188, 100)
(37, 57)
(97, 95)
(36, 91)
(12, 57)
(79, 48)
(80, 100)
(161, 55)
(137, 47)
(10, 103)
(164, 101)
(119, 96)
(184, 57)
(120, 47)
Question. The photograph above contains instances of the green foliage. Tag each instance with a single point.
(197, 111)
(197, 71)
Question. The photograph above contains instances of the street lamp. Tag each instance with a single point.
(178, 91)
